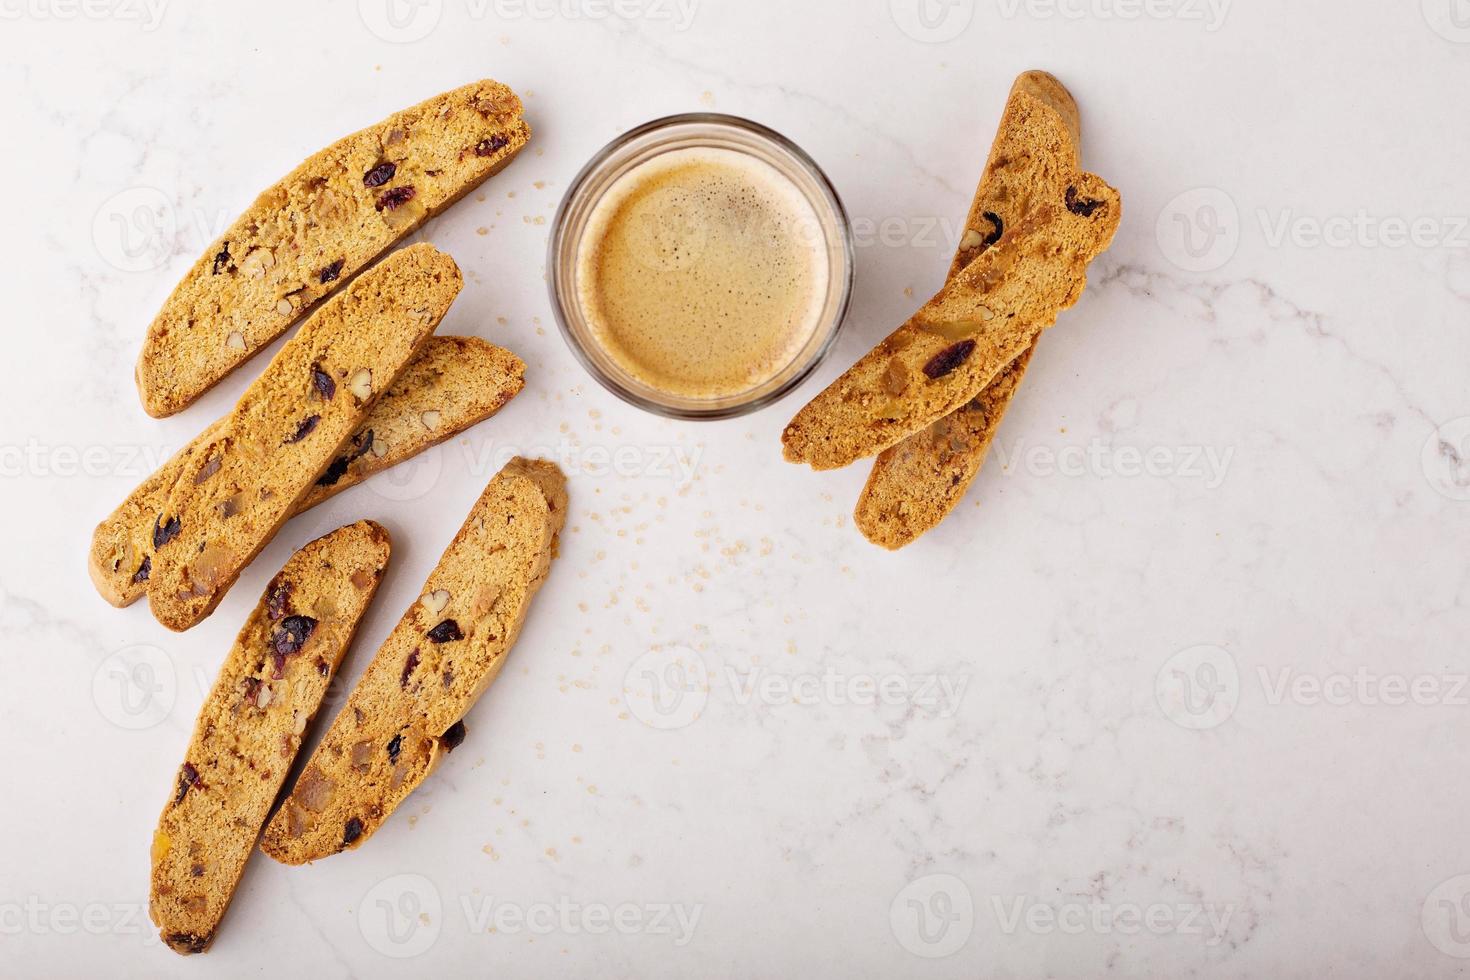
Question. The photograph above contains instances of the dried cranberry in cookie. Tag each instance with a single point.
(323, 224)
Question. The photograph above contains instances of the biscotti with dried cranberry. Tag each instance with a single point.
(251, 727)
(408, 708)
(917, 483)
(454, 383)
(1034, 154)
(236, 492)
(120, 560)
(321, 225)
(960, 340)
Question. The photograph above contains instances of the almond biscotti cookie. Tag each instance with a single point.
(981, 321)
(454, 383)
(915, 484)
(324, 223)
(409, 706)
(236, 492)
(250, 728)
(1035, 152)
(121, 557)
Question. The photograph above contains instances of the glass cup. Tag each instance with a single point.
(638, 146)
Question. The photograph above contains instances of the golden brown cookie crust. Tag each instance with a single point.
(407, 710)
(251, 727)
(917, 483)
(454, 383)
(237, 491)
(960, 340)
(324, 223)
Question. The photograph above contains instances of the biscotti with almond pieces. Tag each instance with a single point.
(251, 727)
(120, 559)
(453, 384)
(321, 225)
(917, 483)
(236, 492)
(408, 708)
(1035, 152)
(960, 340)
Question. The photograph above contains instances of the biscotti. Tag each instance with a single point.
(121, 557)
(981, 321)
(235, 492)
(324, 223)
(251, 726)
(409, 706)
(915, 484)
(1034, 154)
(454, 383)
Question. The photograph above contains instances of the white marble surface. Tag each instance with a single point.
(1200, 718)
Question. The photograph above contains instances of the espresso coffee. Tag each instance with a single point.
(703, 272)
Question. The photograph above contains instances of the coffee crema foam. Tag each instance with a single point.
(703, 272)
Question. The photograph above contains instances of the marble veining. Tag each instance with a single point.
(1178, 691)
